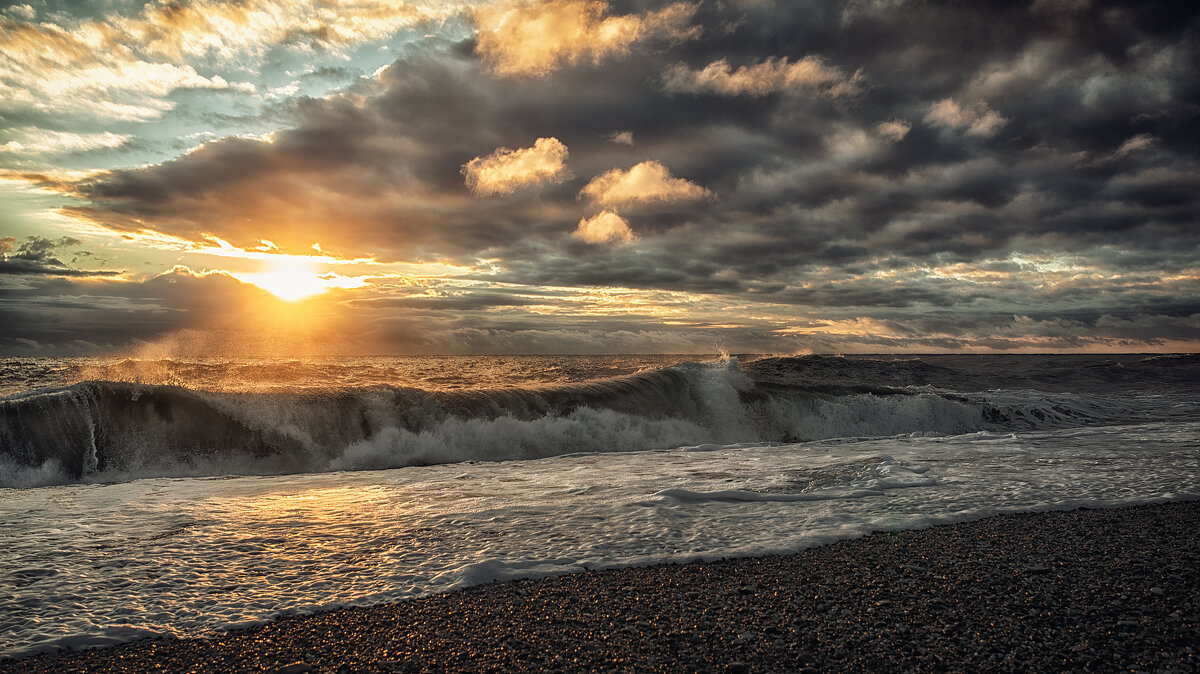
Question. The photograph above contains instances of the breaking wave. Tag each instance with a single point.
(100, 431)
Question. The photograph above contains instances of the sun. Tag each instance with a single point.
(292, 278)
(289, 278)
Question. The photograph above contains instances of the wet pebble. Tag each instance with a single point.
(1083, 590)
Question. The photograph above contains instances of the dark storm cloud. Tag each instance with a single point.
(48, 316)
(37, 255)
(1061, 130)
(464, 301)
(53, 310)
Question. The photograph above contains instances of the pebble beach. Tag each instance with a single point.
(1087, 589)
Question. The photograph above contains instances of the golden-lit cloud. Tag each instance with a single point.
(270, 258)
(648, 181)
(505, 171)
(976, 119)
(604, 227)
(527, 38)
(88, 70)
(287, 277)
(25, 11)
(123, 67)
(809, 75)
(230, 28)
(175, 31)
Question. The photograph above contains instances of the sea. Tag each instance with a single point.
(172, 498)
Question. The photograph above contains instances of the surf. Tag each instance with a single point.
(116, 431)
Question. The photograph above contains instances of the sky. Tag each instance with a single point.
(270, 177)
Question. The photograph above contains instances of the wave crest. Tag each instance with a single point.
(113, 431)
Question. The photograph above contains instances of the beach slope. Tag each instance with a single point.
(1098, 590)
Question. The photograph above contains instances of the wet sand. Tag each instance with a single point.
(1096, 590)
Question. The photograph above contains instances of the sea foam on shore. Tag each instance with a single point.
(1095, 590)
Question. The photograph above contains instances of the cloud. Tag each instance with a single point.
(1052, 9)
(621, 138)
(874, 223)
(65, 315)
(807, 75)
(1138, 143)
(604, 227)
(123, 67)
(505, 171)
(34, 141)
(646, 182)
(86, 70)
(532, 38)
(225, 29)
(25, 11)
(36, 256)
(977, 118)
(893, 130)
(232, 28)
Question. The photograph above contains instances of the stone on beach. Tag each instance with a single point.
(1097, 590)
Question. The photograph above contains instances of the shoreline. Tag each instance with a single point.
(1095, 589)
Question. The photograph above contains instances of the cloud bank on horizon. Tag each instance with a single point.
(589, 176)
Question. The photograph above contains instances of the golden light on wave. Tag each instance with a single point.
(292, 278)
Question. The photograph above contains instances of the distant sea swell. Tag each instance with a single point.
(114, 431)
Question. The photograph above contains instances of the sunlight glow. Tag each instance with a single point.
(292, 278)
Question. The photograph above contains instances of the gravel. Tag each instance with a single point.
(1095, 590)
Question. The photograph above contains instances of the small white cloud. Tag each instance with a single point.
(505, 171)
(646, 182)
(604, 227)
(285, 91)
(977, 119)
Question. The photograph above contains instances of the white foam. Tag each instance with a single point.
(690, 404)
(739, 495)
(584, 430)
(13, 474)
(191, 555)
